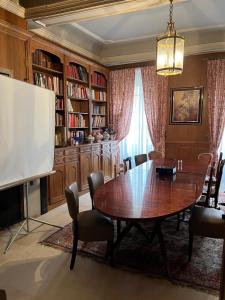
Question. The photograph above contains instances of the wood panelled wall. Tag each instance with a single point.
(187, 141)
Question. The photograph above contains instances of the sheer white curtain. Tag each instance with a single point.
(138, 140)
(222, 144)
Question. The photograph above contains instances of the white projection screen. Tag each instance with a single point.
(27, 126)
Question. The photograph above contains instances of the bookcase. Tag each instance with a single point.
(78, 98)
(48, 72)
(81, 89)
(99, 113)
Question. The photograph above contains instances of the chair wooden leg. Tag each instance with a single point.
(110, 250)
(74, 252)
(118, 226)
(191, 237)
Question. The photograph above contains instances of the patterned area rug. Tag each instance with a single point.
(136, 254)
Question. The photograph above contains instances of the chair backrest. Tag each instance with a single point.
(218, 181)
(154, 155)
(207, 157)
(119, 169)
(219, 164)
(140, 159)
(127, 163)
(210, 184)
(95, 180)
(72, 199)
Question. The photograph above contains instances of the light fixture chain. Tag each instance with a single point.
(171, 12)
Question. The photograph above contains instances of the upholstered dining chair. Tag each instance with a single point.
(207, 157)
(88, 225)
(140, 159)
(154, 155)
(205, 222)
(119, 169)
(95, 180)
(3, 295)
(127, 163)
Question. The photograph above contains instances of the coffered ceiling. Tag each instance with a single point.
(123, 31)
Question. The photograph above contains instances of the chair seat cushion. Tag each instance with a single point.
(207, 222)
(93, 226)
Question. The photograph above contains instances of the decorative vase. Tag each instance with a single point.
(106, 136)
(98, 137)
(90, 138)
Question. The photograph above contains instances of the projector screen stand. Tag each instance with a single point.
(26, 224)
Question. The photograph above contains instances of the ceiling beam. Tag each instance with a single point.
(69, 11)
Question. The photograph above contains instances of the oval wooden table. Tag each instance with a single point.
(141, 194)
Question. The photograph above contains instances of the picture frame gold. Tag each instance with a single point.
(186, 105)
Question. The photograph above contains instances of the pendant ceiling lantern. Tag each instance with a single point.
(170, 50)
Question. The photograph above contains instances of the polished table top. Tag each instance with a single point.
(142, 194)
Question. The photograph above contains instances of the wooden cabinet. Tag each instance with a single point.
(106, 161)
(85, 165)
(56, 185)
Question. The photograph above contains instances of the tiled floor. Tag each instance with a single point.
(30, 271)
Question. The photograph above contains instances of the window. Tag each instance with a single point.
(138, 139)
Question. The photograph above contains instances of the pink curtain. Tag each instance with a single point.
(216, 102)
(155, 90)
(121, 100)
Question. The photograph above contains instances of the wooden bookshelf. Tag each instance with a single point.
(99, 120)
(47, 70)
(77, 91)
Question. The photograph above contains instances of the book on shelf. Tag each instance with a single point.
(98, 79)
(50, 82)
(59, 103)
(58, 119)
(41, 58)
(76, 120)
(99, 109)
(98, 121)
(75, 90)
(98, 95)
(77, 72)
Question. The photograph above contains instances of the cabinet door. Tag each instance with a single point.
(114, 157)
(71, 172)
(106, 163)
(56, 185)
(96, 160)
(85, 168)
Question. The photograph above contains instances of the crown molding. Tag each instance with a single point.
(149, 56)
(12, 7)
(43, 32)
(71, 11)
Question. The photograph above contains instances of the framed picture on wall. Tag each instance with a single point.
(6, 72)
(186, 105)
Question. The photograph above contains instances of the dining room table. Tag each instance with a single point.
(143, 194)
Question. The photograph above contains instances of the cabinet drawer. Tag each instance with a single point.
(59, 153)
(71, 151)
(58, 160)
(85, 148)
(71, 158)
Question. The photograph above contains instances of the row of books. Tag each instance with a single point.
(50, 82)
(76, 137)
(98, 121)
(42, 59)
(99, 109)
(77, 72)
(58, 120)
(59, 103)
(77, 91)
(98, 79)
(76, 120)
(98, 95)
